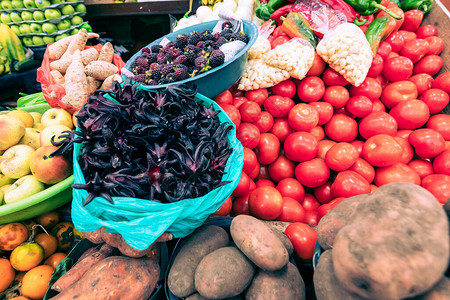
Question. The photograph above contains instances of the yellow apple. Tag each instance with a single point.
(49, 170)
(39, 126)
(15, 162)
(54, 130)
(23, 116)
(23, 188)
(57, 116)
(4, 180)
(36, 117)
(31, 138)
(5, 187)
(11, 131)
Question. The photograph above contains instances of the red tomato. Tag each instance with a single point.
(250, 160)
(249, 135)
(392, 55)
(398, 91)
(363, 168)
(438, 185)
(398, 172)
(301, 146)
(422, 167)
(382, 150)
(341, 128)
(317, 67)
(292, 188)
(258, 96)
(378, 122)
(279, 32)
(233, 113)
(341, 156)
(413, 18)
(285, 88)
(318, 132)
(377, 66)
(435, 99)
(415, 49)
(240, 205)
(291, 211)
(268, 148)
(264, 182)
(238, 101)
(323, 193)
(303, 238)
(265, 203)
(303, 117)
(281, 168)
(440, 123)
(312, 173)
(396, 40)
(349, 183)
(325, 111)
(324, 146)
(426, 31)
(252, 185)
(442, 82)
(336, 95)
(280, 41)
(331, 77)
(310, 203)
(436, 45)
(311, 89)
(250, 111)
(243, 187)
(370, 88)
(384, 50)
(441, 163)
(407, 35)
(359, 106)
(225, 208)
(430, 64)
(255, 172)
(224, 98)
(265, 122)
(427, 143)
(281, 129)
(422, 81)
(408, 151)
(278, 106)
(324, 209)
(311, 217)
(235, 92)
(398, 68)
(358, 146)
(378, 106)
(410, 114)
(263, 172)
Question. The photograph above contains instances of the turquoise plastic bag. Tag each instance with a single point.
(141, 222)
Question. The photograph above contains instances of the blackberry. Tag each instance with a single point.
(146, 50)
(226, 25)
(181, 41)
(216, 59)
(156, 75)
(190, 57)
(205, 31)
(141, 62)
(200, 44)
(163, 81)
(167, 69)
(141, 70)
(180, 60)
(233, 37)
(194, 38)
(170, 77)
(221, 41)
(200, 62)
(139, 78)
(208, 37)
(226, 33)
(189, 48)
(156, 48)
(184, 67)
(153, 66)
(181, 74)
(152, 82)
(209, 46)
(161, 58)
(133, 65)
(242, 37)
(216, 36)
(152, 57)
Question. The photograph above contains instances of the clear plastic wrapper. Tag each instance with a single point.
(257, 74)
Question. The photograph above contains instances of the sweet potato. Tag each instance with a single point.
(107, 83)
(225, 272)
(152, 251)
(89, 55)
(89, 252)
(100, 69)
(57, 49)
(94, 236)
(76, 83)
(335, 219)
(92, 84)
(326, 284)
(76, 43)
(61, 65)
(284, 284)
(441, 291)
(107, 52)
(57, 76)
(204, 241)
(197, 296)
(115, 278)
(259, 243)
(396, 247)
(81, 267)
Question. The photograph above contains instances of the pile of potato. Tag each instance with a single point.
(81, 70)
(391, 244)
(254, 264)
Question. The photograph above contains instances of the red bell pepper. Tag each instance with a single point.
(281, 12)
(398, 11)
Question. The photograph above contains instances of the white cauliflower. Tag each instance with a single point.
(260, 47)
(257, 74)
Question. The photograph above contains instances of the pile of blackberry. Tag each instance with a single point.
(187, 56)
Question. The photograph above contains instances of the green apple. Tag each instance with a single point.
(61, 36)
(15, 28)
(67, 10)
(49, 28)
(64, 24)
(27, 41)
(15, 17)
(29, 3)
(5, 18)
(25, 29)
(26, 16)
(52, 13)
(80, 8)
(41, 3)
(17, 4)
(74, 31)
(76, 20)
(6, 4)
(37, 40)
(58, 1)
(48, 40)
(36, 28)
(38, 15)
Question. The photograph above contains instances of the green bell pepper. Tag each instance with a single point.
(262, 10)
(369, 7)
(423, 5)
(378, 31)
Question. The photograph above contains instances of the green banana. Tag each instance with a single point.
(11, 43)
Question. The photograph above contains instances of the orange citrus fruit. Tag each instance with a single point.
(6, 274)
(35, 282)
(26, 256)
(54, 259)
(19, 298)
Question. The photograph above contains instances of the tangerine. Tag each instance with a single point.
(26, 256)
(54, 259)
(6, 274)
(35, 282)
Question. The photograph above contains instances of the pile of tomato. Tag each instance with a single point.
(310, 144)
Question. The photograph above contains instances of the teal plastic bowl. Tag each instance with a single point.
(217, 80)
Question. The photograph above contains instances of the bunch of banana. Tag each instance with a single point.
(11, 49)
(210, 3)
(4, 61)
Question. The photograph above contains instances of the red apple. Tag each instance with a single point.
(49, 170)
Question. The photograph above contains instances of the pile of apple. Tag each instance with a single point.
(39, 22)
(25, 147)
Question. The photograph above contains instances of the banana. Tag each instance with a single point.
(2, 69)
(11, 43)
